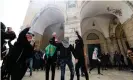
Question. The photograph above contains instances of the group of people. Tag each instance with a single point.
(23, 55)
(65, 51)
(36, 61)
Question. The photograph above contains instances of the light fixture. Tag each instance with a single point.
(93, 24)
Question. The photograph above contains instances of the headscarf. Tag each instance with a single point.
(65, 43)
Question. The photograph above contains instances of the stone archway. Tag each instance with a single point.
(48, 20)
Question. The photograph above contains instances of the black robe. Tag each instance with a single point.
(16, 59)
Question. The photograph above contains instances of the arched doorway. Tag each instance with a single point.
(93, 42)
(93, 38)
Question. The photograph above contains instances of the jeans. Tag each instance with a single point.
(30, 63)
(63, 63)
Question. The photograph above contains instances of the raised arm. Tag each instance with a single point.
(80, 38)
(78, 35)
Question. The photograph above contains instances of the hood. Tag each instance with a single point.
(65, 43)
(22, 37)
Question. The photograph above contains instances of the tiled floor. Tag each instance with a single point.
(107, 75)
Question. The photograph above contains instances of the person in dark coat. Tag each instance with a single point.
(66, 51)
(6, 35)
(51, 58)
(79, 55)
(21, 51)
(12, 34)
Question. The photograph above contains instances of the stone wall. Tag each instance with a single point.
(128, 28)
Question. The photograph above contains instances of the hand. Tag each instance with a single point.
(99, 60)
(76, 32)
(76, 60)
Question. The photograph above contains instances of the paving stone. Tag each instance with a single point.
(107, 75)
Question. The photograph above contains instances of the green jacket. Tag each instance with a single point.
(50, 50)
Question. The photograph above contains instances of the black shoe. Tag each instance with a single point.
(78, 79)
(30, 74)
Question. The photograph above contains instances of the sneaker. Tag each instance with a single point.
(82, 74)
(100, 74)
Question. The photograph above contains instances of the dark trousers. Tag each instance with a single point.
(18, 71)
(82, 70)
(63, 63)
(79, 64)
(95, 63)
(52, 65)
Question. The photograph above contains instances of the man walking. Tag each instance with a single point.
(96, 60)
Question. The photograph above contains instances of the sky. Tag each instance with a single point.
(13, 13)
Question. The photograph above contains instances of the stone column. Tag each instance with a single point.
(120, 46)
(128, 28)
(124, 46)
(115, 45)
(106, 47)
(86, 55)
(122, 50)
(109, 45)
(110, 49)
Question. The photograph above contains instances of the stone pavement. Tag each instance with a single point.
(107, 75)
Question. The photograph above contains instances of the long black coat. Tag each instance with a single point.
(16, 60)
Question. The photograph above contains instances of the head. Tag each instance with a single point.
(95, 49)
(54, 34)
(129, 50)
(25, 38)
(51, 41)
(30, 36)
(76, 41)
(116, 52)
(65, 42)
(9, 29)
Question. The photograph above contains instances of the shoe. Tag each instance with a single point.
(100, 74)
(30, 74)
(82, 74)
